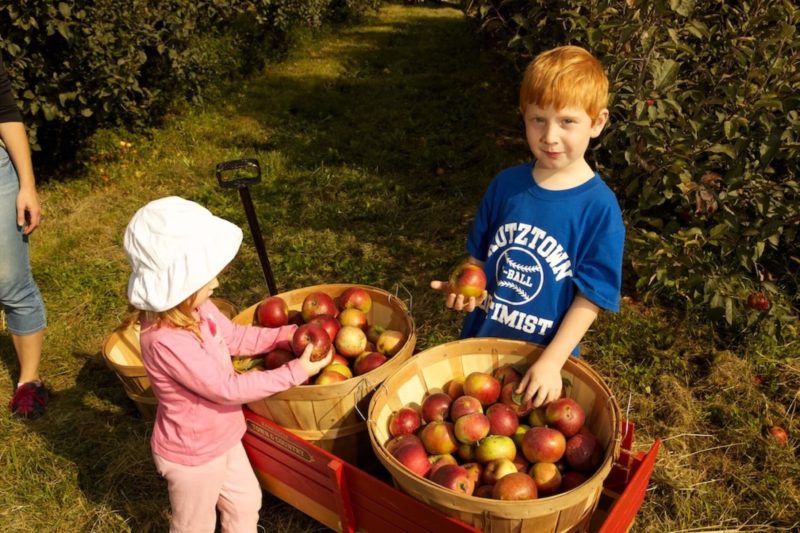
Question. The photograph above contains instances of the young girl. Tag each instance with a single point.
(176, 248)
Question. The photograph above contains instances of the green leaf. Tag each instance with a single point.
(664, 73)
(64, 9)
(729, 310)
(682, 7)
(722, 149)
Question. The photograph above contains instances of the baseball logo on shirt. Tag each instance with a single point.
(519, 276)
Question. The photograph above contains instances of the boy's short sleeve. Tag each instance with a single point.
(478, 238)
(599, 276)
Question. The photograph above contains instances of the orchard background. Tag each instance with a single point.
(378, 127)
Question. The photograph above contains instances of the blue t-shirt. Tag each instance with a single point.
(541, 248)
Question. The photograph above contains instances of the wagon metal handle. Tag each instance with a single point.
(241, 183)
(236, 166)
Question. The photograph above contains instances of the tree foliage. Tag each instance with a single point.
(703, 143)
(76, 66)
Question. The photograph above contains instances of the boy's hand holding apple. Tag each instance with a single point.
(466, 288)
(542, 383)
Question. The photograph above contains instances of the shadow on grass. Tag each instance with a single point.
(95, 427)
(401, 140)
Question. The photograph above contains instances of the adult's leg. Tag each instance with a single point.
(19, 294)
(29, 353)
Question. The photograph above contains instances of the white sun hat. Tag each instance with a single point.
(175, 247)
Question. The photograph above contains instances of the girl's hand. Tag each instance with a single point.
(541, 383)
(312, 368)
(458, 302)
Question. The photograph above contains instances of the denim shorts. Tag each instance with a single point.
(19, 294)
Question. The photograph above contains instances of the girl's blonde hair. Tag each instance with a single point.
(179, 317)
(566, 76)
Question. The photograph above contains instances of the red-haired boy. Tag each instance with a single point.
(548, 233)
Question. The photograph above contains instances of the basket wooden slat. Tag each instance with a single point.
(326, 414)
(430, 370)
(122, 354)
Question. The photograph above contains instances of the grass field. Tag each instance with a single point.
(376, 144)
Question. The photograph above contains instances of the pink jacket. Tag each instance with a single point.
(199, 395)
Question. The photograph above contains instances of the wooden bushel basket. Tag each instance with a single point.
(333, 416)
(431, 369)
(122, 354)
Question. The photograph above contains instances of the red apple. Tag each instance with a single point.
(435, 406)
(390, 342)
(404, 420)
(355, 298)
(316, 336)
(758, 301)
(406, 439)
(583, 452)
(455, 387)
(374, 332)
(350, 341)
(415, 458)
(543, 445)
(779, 434)
(273, 312)
(277, 358)
(474, 471)
(565, 415)
(513, 487)
(443, 458)
(484, 491)
(328, 323)
(326, 377)
(438, 461)
(318, 303)
(483, 386)
(537, 419)
(295, 317)
(502, 420)
(466, 452)
(353, 317)
(471, 428)
(519, 433)
(340, 368)
(571, 479)
(438, 437)
(547, 478)
(339, 358)
(514, 401)
(506, 374)
(520, 462)
(464, 405)
(495, 447)
(455, 478)
(497, 469)
(367, 362)
(468, 279)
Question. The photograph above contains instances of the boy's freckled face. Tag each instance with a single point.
(559, 138)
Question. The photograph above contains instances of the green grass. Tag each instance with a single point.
(350, 130)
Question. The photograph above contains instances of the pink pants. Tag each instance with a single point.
(227, 483)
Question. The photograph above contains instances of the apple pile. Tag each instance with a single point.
(326, 322)
(477, 439)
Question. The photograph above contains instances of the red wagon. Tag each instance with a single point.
(347, 498)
